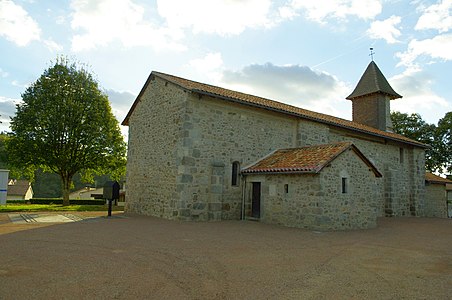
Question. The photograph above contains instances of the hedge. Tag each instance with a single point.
(16, 201)
(72, 201)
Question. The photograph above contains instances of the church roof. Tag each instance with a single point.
(432, 178)
(373, 81)
(309, 159)
(263, 103)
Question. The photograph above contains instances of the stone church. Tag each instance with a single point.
(202, 152)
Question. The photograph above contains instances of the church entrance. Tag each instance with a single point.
(256, 200)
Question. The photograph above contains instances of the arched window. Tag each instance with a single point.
(235, 173)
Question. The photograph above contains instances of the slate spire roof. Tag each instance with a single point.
(309, 159)
(371, 82)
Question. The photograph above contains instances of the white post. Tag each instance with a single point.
(3, 186)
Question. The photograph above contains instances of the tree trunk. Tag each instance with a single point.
(66, 189)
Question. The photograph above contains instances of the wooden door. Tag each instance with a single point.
(256, 200)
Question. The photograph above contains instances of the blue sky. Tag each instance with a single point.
(302, 52)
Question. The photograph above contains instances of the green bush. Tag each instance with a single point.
(16, 201)
(72, 201)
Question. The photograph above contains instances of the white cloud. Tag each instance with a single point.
(209, 66)
(16, 25)
(7, 110)
(3, 74)
(19, 84)
(437, 16)
(223, 17)
(321, 11)
(60, 20)
(105, 21)
(293, 84)
(53, 46)
(418, 97)
(288, 13)
(121, 102)
(386, 30)
(439, 47)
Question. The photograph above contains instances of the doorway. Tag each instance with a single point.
(256, 200)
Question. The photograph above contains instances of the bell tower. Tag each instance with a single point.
(371, 98)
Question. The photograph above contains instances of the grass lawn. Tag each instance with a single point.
(55, 207)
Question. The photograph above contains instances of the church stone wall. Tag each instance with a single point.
(358, 207)
(316, 201)
(436, 201)
(154, 139)
(301, 206)
(216, 134)
(182, 146)
(401, 192)
(311, 133)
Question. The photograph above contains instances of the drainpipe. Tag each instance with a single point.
(242, 178)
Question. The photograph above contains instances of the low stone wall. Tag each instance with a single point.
(435, 201)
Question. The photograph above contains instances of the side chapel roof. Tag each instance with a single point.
(434, 179)
(263, 103)
(373, 81)
(309, 159)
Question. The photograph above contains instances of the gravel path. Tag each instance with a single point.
(136, 257)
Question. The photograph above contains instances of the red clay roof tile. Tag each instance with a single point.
(310, 159)
(431, 178)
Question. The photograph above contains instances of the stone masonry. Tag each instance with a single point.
(436, 201)
(316, 201)
(182, 146)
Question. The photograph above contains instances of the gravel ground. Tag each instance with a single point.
(136, 257)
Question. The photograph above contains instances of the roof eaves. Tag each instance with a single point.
(244, 169)
(258, 172)
(435, 181)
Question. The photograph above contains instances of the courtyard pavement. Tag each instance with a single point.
(89, 256)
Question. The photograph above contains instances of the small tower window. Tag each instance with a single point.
(235, 173)
(401, 155)
(344, 185)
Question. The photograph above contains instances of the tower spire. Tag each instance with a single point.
(371, 97)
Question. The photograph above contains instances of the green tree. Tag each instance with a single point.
(444, 136)
(65, 125)
(414, 127)
(16, 173)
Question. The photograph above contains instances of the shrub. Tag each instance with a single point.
(16, 201)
